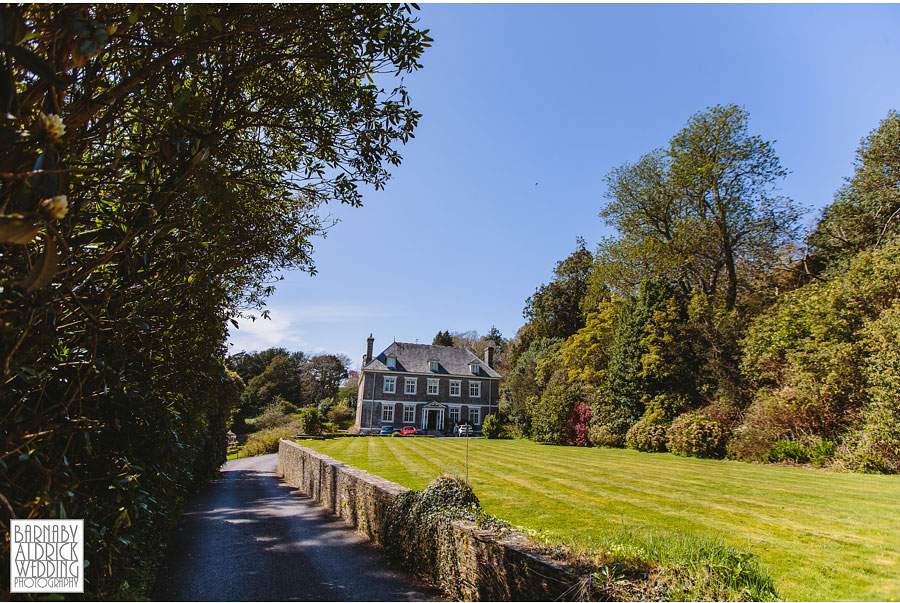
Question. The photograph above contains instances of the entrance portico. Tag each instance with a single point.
(433, 416)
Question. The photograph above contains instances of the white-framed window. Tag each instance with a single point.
(474, 389)
(387, 413)
(409, 385)
(454, 415)
(409, 413)
(475, 416)
(433, 366)
(392, 362)
(474, 368)
(433, 387)
(455, 388)
(390, 385)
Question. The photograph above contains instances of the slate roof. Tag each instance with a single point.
(415, 357)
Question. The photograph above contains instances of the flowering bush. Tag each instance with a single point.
(694, 434)
(603, 435)
(646, 437)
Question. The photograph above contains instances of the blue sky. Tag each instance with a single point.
(526, 108)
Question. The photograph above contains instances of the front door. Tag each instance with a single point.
(432, 419)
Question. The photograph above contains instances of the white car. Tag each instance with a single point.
(465, 430)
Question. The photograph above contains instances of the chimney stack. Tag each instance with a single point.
(489, 356)
(370, 341)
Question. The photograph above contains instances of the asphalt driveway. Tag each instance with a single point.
(250, 537)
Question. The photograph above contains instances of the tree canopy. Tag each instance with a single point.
(703, 213)
(160, 162)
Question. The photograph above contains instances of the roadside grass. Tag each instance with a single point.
(820, 535)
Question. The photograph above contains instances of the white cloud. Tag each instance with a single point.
(276, 331)
(285, 326)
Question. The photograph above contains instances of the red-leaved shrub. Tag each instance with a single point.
(579, 425)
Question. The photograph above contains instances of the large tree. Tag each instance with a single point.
(703, 213)
(159, 163)
(280, 379)
(322, 375)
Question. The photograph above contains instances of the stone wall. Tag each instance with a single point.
(488, 566)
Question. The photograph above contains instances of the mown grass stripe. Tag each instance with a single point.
(825, 535)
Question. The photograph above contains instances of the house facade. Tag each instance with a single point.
(430, 387)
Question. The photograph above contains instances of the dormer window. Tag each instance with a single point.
(392, 362)
(433, 365)
(474, 368)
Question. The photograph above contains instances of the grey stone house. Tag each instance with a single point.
(430, 387)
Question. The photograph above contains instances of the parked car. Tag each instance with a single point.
(465, 430)
(386, 430)
(408, 430)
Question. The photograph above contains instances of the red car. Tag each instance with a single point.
(408, 430)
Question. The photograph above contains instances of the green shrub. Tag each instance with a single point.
(511, 430)
(310, 421)
(272, 416)
(646, 437)
(821, 453)
(550, 414)
(340, 414)
(787, 451)
(325, 406)
(491, 427)
(774, 415)
(827, 360)
(395, 434)
(265, 441)
(609, 423)
(694, 434)
(866, 462)
(603, 435)
(879, 433)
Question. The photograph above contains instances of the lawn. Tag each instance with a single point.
(821, 535)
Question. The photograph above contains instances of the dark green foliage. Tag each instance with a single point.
(443, 338)
(822, 452)
(550, 414)
(647, 437)
(788, 451)
(528, 379)
(879, 434)
(310, 421)
(281, 379)
(349, 391)
(554, 310)
(321, 377)
(495, 337)
(628, 387)
(250, 364)
(825, 359)
(273, 415)
(694, 434)
(195, 161)
(340, 414)
(491, 427)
